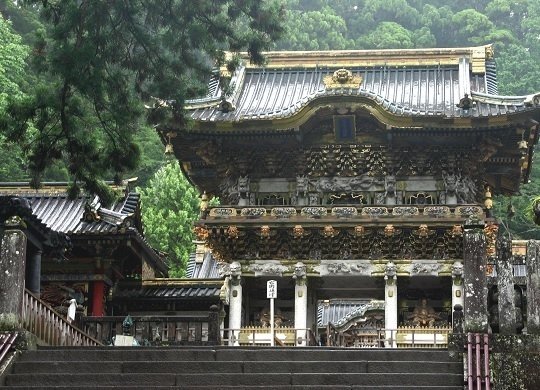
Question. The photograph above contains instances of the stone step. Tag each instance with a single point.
(233, 354)
(237, 367)
(212, 387)
(219, 380)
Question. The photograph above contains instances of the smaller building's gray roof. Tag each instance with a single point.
(66, 215)
(207, 269)
(171, 292)
(83, 216)
(335, 310)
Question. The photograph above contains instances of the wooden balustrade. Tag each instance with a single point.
(418, 337)
(50, 326)
(260, 336)
(402, 337)
(158, 330)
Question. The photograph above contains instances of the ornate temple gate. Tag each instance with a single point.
(356, 175)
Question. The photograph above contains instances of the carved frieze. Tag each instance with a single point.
(253, 212)
(467, 211)
(268, 269)
(201, 233)
(375, 211)
(343, 184)
(313, 211)
(283, 212)
(344, 212)
(405, 211)
(345, 268)
(333, 242)
(437, 211)
(425, 268)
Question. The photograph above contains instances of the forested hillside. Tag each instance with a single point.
(513, 26)
(29, 47)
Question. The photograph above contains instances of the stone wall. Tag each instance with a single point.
(515, 362)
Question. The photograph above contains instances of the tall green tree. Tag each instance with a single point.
(170, 205)
(389, 34)
(13, 55)
(99, 62)
(315, 30)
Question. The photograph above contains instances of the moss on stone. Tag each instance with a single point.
(515, 362)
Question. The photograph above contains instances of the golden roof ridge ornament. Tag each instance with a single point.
(342, 78)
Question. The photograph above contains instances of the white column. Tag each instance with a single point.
(300, 304)
(457, 286)
(235, 303)
(390, 304)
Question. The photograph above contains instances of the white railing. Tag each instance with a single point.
(50, 326)
(402, 337)
(261, 336)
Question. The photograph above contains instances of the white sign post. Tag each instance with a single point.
(271, 293)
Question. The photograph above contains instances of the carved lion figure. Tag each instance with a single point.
(300, 270)
(235, 269)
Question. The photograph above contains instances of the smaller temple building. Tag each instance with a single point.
(79, 249)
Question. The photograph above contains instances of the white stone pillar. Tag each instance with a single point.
(300, 304)
(457, 286)
(390, 304)
(235, 303)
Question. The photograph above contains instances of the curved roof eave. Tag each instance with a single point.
(384, 111)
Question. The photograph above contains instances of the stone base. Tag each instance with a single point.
(515, 360)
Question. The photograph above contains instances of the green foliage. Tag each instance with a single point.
(8, 322)
(13, 54)
(152, 155)
(389, 34)
(97, 62)
(521, 224)
(315, 30)
(170, 205)
(471, 27)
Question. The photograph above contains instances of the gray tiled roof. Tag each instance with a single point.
(336, 309)
(65, 215)
(207, 269)
(427, 90)
(171, 292)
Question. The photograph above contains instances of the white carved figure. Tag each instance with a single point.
(72, 309)
(313, 199)
(466, 190)
(243, 190)
(390, 270)
(302, 183)
(299, 270)
(243, 184)
(390, 189)
(235, 270)
(457, 269)
(451, 182)
(390, 186)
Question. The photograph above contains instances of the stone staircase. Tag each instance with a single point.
(236, 368)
